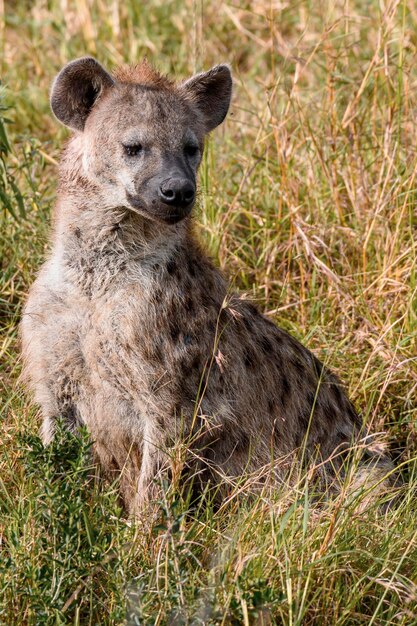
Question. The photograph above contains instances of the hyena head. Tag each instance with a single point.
(141, 135)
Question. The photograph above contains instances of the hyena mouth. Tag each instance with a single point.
(160, 212)
(135, 203)
(174, 218)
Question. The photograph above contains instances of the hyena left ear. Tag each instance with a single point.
(76, 89)
(211, 91)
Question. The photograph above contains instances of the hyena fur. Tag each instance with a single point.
(129, 328)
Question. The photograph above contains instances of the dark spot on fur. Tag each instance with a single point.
(253, 310)
(187, 285)
(248, 323)
(153, 351)
(304, 417)
(189, 367)
(189, 304)
(174, 330)
(220, 385)
(367, 455)
(271, 405)
(198, 265)
(206, 298)
(188, 388)
(311, 398)
(184, 366)
(195, 362)
(224, 315)
(69, 415)
(171, 267)
(77, 233)
(299, 365)
(204, 381)
(188, 340)
(191, 268)
(279, 339)
(286, 388)
(249, 357)
(177, 409)
(243, 443)
(266, 345)
(341, 437)
(157, 295)
(127, 347)
(298, 348)
(339, 394)
(328, 410)
(172, 309)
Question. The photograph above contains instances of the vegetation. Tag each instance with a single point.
(309, 203)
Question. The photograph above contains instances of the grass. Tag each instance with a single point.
(309, 203)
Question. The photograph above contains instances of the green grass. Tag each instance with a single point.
(309, 204)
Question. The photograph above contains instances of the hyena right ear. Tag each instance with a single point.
(76, 89)
(211, 91)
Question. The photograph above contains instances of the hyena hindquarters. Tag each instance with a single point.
(211, 371)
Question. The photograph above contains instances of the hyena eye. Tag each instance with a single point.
(190, 149)
(133, 149)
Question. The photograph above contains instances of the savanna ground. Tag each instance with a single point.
(308, 201)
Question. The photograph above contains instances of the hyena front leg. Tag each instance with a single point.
(55, 405)
(154, 460)
(47, 430)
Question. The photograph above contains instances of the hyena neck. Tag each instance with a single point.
(98, 246)
(83, 220)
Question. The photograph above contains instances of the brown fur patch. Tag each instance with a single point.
(142, 73)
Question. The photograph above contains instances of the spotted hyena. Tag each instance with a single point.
(131, 330)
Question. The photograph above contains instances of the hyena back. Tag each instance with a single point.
(130, 329)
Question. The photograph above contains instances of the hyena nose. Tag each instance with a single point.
(179, 192)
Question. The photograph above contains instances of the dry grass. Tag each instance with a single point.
(309, 195)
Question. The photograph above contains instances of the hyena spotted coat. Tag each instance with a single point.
(130, 329)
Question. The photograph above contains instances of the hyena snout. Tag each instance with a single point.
(168, 200)
(177, 192)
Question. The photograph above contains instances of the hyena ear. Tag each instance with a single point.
(211, 91)
(76, 89)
